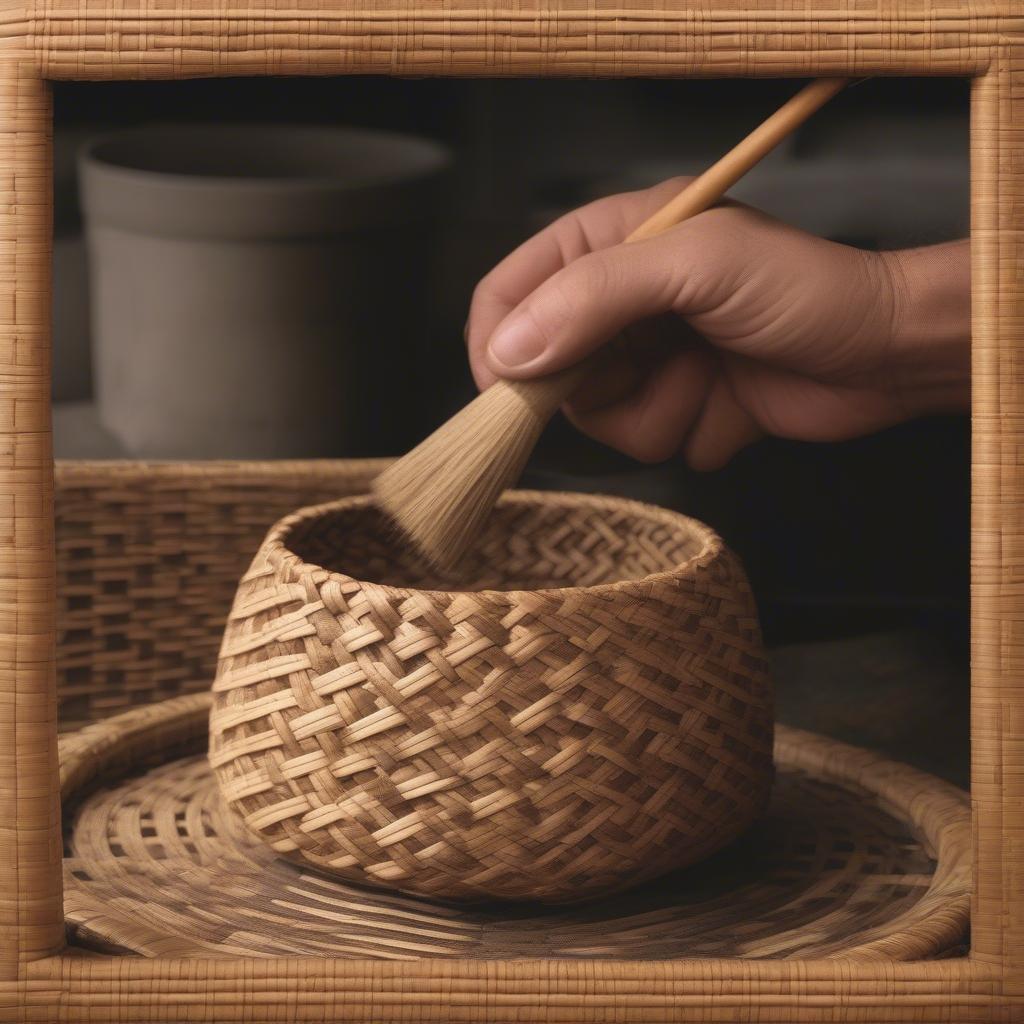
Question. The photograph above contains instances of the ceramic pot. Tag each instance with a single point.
(259, 291)
(586, 706)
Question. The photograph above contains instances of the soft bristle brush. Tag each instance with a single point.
(441, 492)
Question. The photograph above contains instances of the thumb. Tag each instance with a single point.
(584, 305)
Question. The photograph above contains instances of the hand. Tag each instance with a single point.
(727, 327)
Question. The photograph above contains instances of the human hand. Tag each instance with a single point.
(727, 327)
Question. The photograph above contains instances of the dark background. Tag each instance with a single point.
(858, 552)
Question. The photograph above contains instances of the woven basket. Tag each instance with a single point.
(856, 857)
(586, 707)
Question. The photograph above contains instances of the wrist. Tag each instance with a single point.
(929, 344)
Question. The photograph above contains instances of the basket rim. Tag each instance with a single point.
(276, 549)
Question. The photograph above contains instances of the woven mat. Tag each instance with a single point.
(155, 865)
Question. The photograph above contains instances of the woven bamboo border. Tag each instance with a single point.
(89, 39)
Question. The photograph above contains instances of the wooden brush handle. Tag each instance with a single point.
(706, 190)
(551, 391)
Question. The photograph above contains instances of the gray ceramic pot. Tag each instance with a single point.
(259, 291)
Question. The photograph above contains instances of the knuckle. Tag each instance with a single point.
(590, 279)
(569, 295)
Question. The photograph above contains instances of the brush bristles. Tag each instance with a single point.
(441, 493)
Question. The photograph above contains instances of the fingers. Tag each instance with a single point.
(650, 423)
(693, 269)
(684, 406)
(584, 305)
(598, 225)
(628, 360)
(788, 404)
(723, 428)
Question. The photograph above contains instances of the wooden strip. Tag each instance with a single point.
(102, 40)
(31, 915)
(351, 475)
(137, 990)
(997, 628)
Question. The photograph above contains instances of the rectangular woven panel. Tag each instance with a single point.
(148, 559)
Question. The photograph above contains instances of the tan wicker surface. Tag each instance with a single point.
(148, 559)
(983, 39)
(857, 856)
(495, 738)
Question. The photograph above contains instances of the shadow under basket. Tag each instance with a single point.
(584, 706)
(856, 857)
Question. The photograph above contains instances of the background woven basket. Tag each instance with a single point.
(149, 556)
(590, 710)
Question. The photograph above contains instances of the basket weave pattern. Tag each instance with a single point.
(519, 743)
(856, 857)
(148, 560)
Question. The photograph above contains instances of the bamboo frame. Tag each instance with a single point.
(88, 39)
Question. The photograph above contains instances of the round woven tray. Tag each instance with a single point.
(857, 856)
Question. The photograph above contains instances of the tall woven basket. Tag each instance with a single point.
(588, 709)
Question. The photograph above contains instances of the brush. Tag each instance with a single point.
(441, 492)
